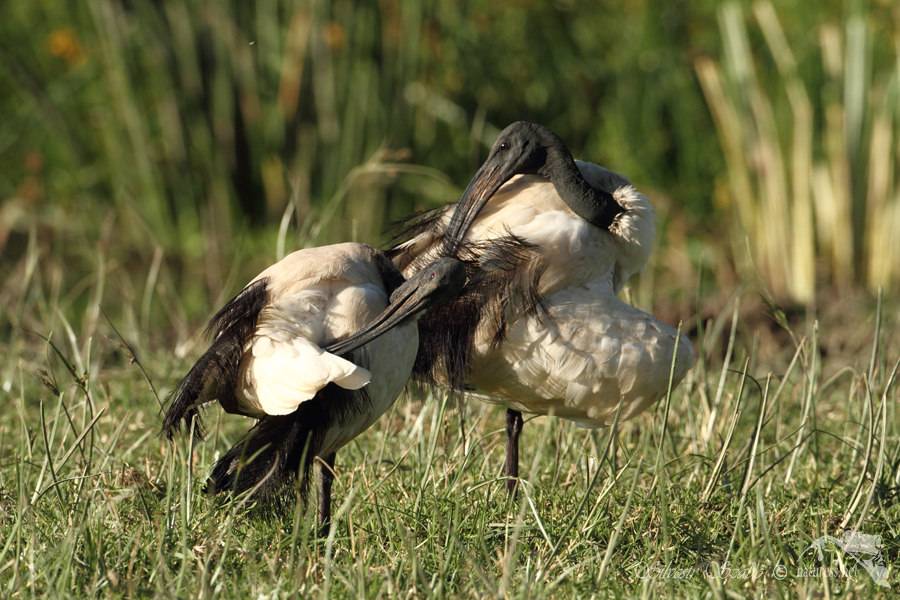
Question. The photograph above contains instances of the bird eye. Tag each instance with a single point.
(433, 273)
(504, 146)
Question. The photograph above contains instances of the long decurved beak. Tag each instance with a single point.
(400, 309)
(485, 184)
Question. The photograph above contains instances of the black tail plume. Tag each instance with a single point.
(269, 457)
(503, 277)
(413, 225)
(281, 449)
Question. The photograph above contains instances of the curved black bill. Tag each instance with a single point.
(440, 281)
(485, 184)
(394, 314)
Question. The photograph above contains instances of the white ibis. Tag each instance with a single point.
(549, 242)
(276, 356)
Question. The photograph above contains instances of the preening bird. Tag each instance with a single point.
(548, 244)
(317, 347)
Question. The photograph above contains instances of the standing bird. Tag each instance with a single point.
(317, 348)
(548, 242)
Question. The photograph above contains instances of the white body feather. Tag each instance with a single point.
(317, 296)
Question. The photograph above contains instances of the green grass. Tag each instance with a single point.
(96, 504)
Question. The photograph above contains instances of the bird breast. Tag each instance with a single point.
(576, 361)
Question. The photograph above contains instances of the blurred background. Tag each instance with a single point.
(154, 156)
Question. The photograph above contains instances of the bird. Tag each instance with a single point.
(548, 244)
(316, 347)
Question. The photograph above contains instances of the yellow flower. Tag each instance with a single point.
(63, 44)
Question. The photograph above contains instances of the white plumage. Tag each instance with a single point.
(284, 363)
(549, 243)
(589, 348)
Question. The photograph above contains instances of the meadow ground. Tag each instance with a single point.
(778, 437)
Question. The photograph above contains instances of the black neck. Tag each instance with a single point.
(593, 205)
(391, 276)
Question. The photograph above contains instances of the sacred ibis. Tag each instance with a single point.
(317, 347)
(548, 243)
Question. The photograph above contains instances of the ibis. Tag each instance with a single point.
(317, 347)
(548, 243)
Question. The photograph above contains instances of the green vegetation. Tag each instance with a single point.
(152, 160)
(744, 471)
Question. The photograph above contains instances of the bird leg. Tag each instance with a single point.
(326, 478)
(513, 429)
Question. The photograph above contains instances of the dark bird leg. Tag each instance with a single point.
(326, 478)
(513, 429)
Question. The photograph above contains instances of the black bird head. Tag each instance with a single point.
(440, 281)
(529, 149)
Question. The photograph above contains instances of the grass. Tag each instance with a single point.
(751, 466)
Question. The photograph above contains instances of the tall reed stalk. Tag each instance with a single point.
(814, 189)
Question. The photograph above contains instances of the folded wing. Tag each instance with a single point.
(279, 375)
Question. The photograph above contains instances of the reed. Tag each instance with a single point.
(814, 189)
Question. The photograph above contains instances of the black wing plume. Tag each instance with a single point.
(214, 375)
(502, 284)
(412, 226)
